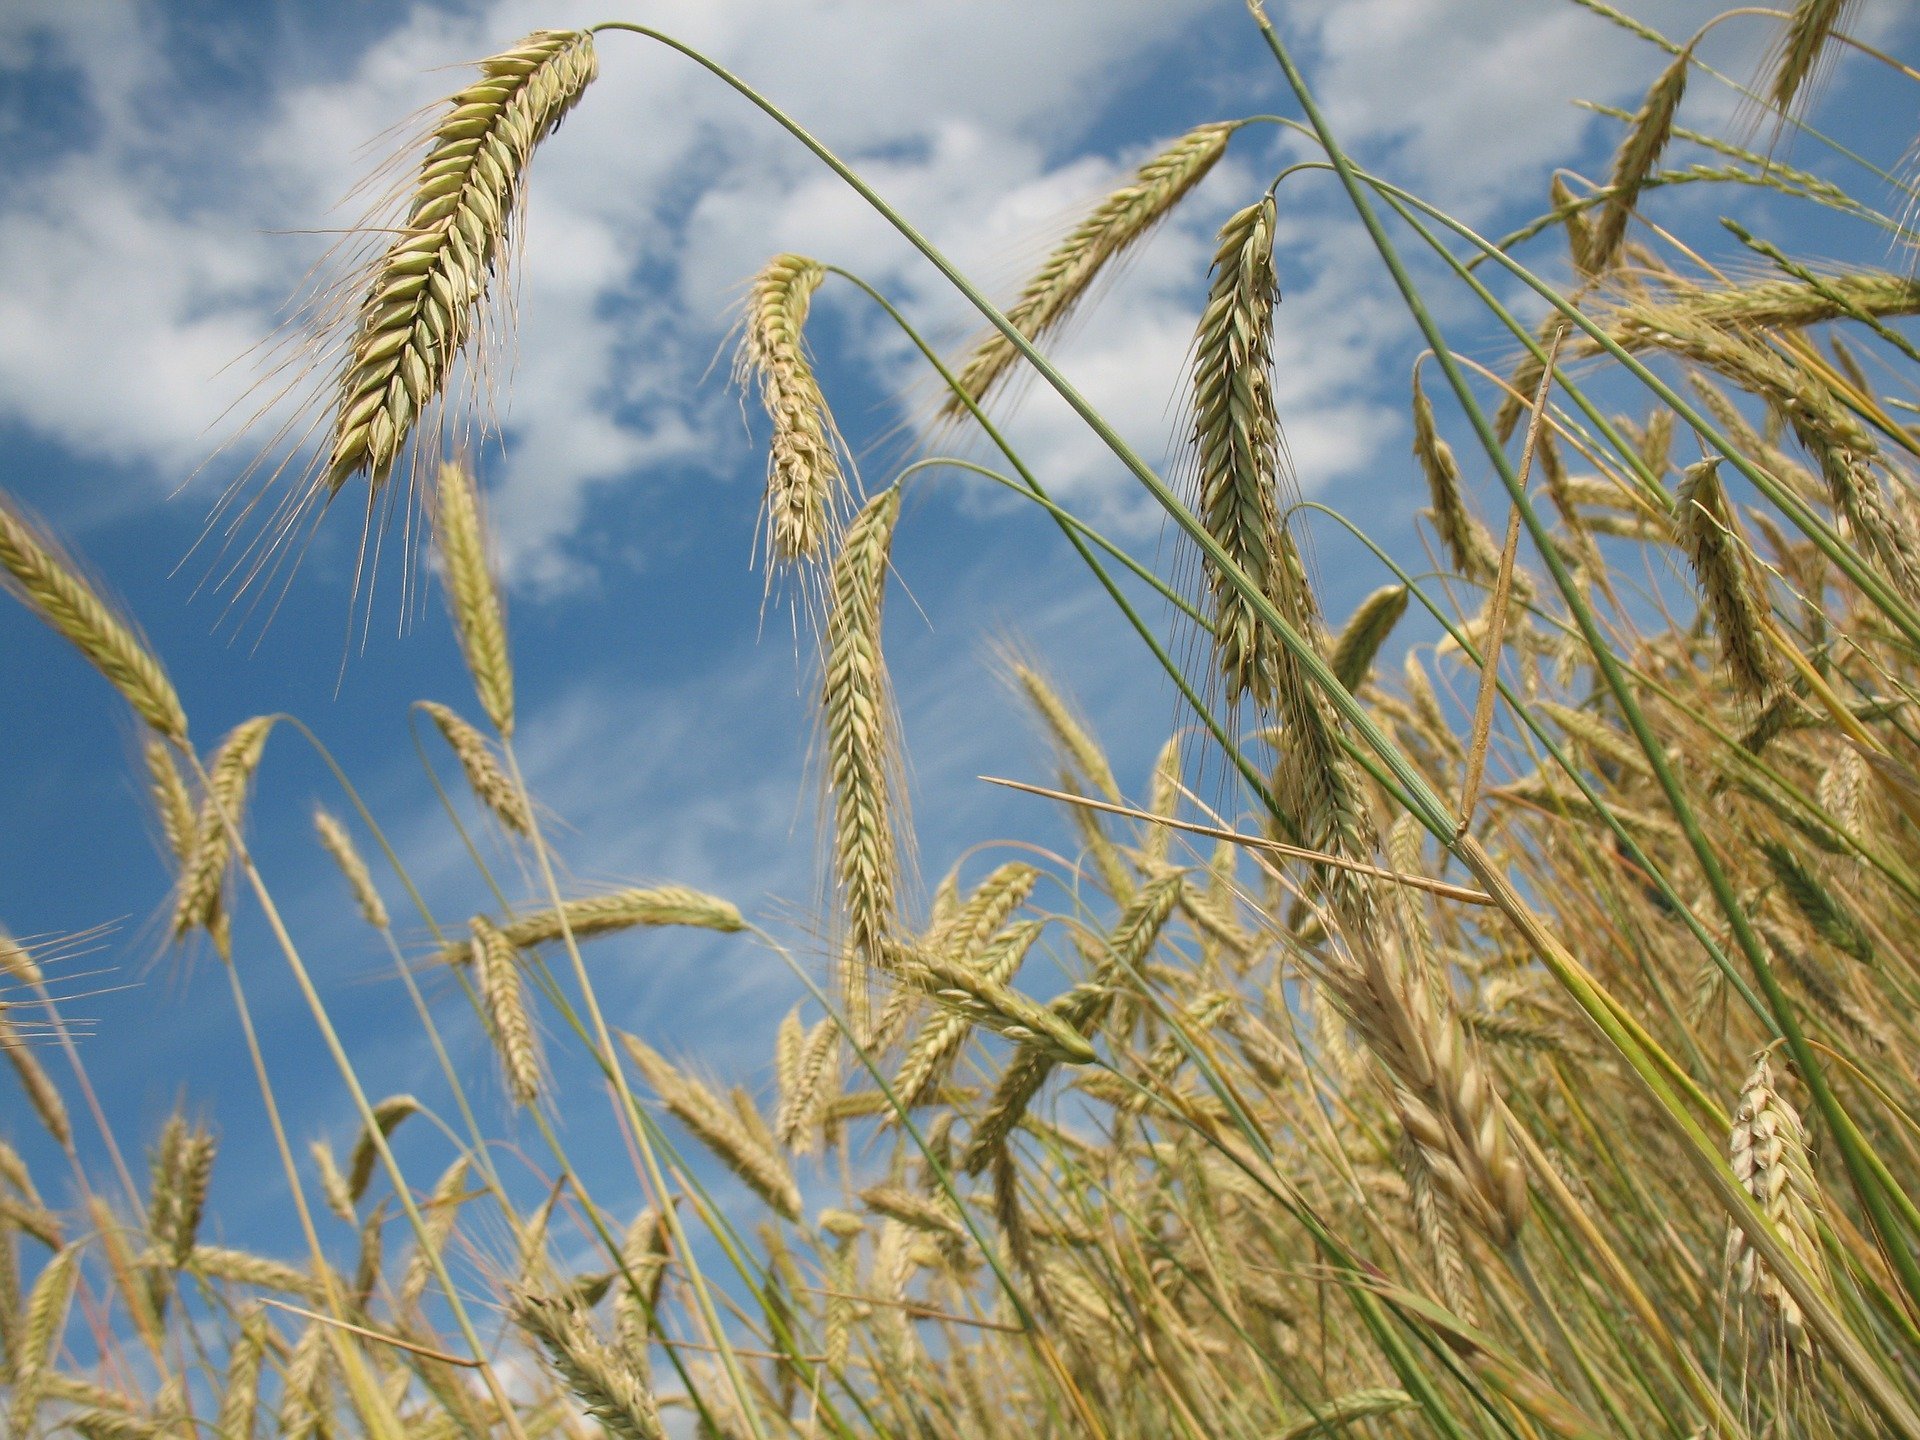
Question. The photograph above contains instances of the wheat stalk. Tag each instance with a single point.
(426, 292)
(458, 526)
(1116, 224)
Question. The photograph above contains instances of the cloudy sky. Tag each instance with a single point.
(173, 173)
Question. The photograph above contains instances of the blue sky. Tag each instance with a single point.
(169, 170)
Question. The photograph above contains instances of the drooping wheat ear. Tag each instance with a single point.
(917, 1212)
(930, 1057)
(387, 1115)
(171, 799)
(459, 528)
(1117, 223)
(182, 1170)
(335, 840)
(980, 1000)
(42, 1094)
(1236, 445)
(861, 753)
(47, 582)
(217, 1262)
(1723, 565)
(598, 1377)
(1469, 545)
(426, 292)
(1570, 208)
(644, 1252)
(718, 1126)
(606, 914)
(440, 1213)
(241, 1398)
(1771, 1161)
(1359, 641)
(813, 1079)
(333, 1184)
(1639, 153)
(1826, 914)
(497, 964)
(1843, 447)
(1811, 25)
(489, 782)
(805, 484)
(228, 780)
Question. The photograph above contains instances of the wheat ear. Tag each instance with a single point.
(720, 1127)
(860, 751)
(50, 585)
(1117, 223)
(1639, 153)
(1811, 25)
(497, 964)
(485, 776)
(459, 528)
(1770, 1158)
(182, 1171)
(426, 292)
(606, 915)
(804, 481)
(335, 840)
(228, 780)
(1724, 567)
(1236, 445)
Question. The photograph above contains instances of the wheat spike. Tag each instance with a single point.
(497, 964)
(800, 1100)
(335, 840)
(1768, 1147)
(182, 1171)
(426, 292)
(719, 1127)
(930, 1057)
(441, 1213)
(171, 800)
(49, 584)
(488, 781)
(224, 805)
(1116, 224)
(1639, 153)
(805, 484)
(1359, 641)
(305, 1403)
(593, 1371)
(861, 759)
(459, 528)
(42, 1094)
(606, 915)
(1236, 445)
(241, 1398)
(1721, 562)
(1470, 547)
(1809, 27)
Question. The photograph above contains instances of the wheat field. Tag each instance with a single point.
(1508, 1036)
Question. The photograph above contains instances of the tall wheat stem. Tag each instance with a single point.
(635, 1117)
(317, 1007)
